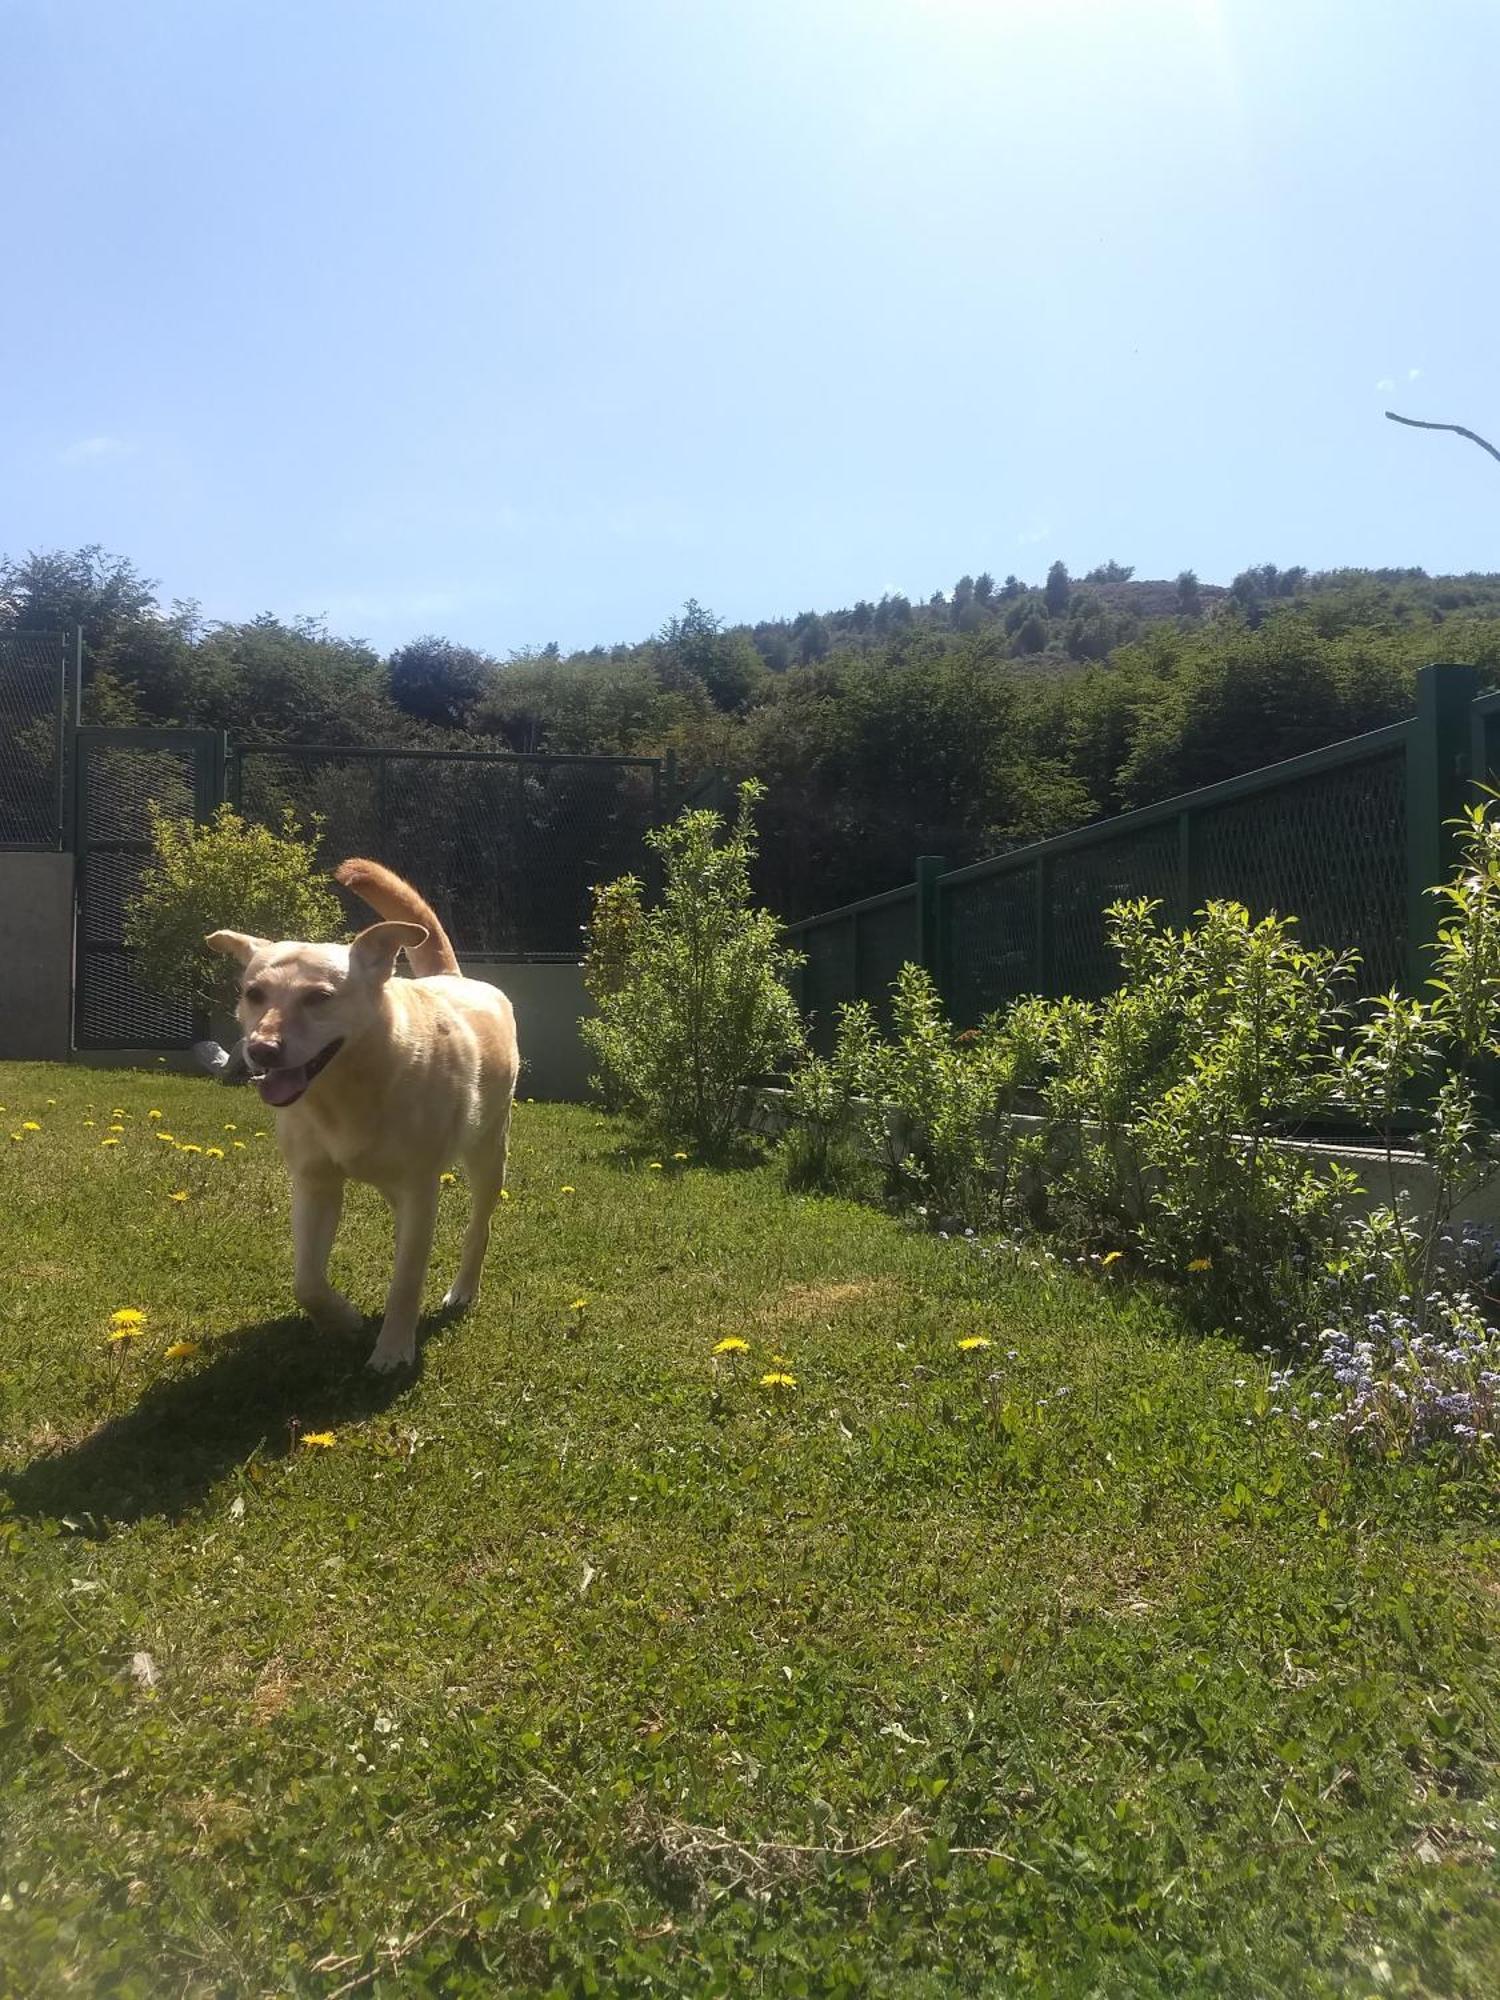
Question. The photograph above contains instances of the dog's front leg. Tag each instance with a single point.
(317, 1203)
(416, 1219)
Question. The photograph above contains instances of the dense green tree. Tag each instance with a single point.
(440, 683)
(883, 731)
(726, 663)
(276, 680)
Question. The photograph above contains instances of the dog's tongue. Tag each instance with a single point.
(283, 1086)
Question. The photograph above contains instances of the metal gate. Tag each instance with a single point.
(121, 774)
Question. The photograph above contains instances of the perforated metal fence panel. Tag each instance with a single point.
(1330, 849)
(506, 848)
(122, 773)
(1326, 837)
(990, 929)
(1084, 882)
(33, 690)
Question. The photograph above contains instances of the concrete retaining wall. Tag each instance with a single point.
(550, 1002)
(36, 956)
(1382, 1178)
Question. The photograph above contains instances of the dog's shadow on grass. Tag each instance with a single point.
(168, 1444)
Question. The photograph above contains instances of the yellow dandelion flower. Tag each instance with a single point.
(128, 1316)
(578, 1305)
(258, 1135)
(180, 1195)
(318, 1440)
(16, 1138)
(213, 1152)
(153, 1114)
(30, 1125)
(505, 1194)
(118, 1112)
(109, 1142)
(117, 1128)
(1111, 1257)
(51, 1101)
(679, 1156)
(189, 1147)
(239, 1145)
(231, 1128)
(778, 1379)
(89, 1123)
(1201, 1264)
(447, 1180)
(654, 1166)
(166, 1138)
(732, 1344)
(181, 1349)
(567, 1189)
(119, 1333)
(972, 1342)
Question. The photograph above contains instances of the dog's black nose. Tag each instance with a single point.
(265, 1054)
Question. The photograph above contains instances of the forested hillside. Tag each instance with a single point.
(991, 713)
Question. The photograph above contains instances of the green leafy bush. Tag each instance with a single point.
(226, 874)
(1259, 1017)
(692, 996)
(934, 1110)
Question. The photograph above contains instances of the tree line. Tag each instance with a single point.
(990, 714)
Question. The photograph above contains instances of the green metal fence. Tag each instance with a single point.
(506, 845)
(39, 682)
(1348, 839)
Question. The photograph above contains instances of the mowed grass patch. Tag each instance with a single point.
(583, 1662)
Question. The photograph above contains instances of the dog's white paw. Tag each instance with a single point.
(387, 1359)
(456, 1298)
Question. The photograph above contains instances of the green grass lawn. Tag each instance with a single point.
(583, 1663)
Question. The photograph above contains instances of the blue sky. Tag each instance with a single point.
(527, 322)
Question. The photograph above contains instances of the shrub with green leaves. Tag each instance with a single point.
(1169, 1113)
(933, 1108)
(692, 995)
(225, 874)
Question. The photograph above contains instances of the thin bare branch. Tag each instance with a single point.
(1419, 424)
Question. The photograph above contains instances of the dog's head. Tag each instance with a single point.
(300, 1003)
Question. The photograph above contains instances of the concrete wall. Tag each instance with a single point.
(1382, 1178)
(36, 956)
(549, 1001)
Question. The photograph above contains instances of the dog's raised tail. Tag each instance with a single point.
(388, 896)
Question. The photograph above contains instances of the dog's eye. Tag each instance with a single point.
(255, 994)
(317, 995)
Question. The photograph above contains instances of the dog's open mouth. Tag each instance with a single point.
(284, 1086)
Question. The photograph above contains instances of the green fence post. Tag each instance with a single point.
(928, 941)
(1437, 789)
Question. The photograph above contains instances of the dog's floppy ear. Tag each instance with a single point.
(374, 951)
(235, 944)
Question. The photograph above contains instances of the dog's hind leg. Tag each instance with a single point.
(416, 1218)
(484, 1167)
(317, 1203)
